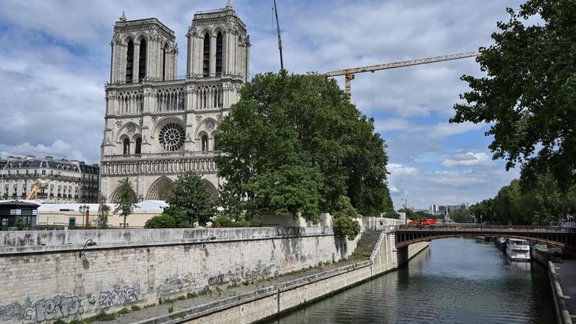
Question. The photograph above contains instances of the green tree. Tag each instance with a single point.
(294, 144)
(529, 93)
(410, 214)
(345, 219)
(482, 211)
(125, 201)
(461, 215)
(189, 202)
(103, 213)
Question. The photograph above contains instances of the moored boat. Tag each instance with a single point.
(500, 243)
(517, 249)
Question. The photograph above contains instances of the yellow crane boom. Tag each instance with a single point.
(349, 73)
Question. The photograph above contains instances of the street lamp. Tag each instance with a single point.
(90, 242)
(209, 238)
(85, 210)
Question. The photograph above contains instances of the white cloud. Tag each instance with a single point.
(468, 159)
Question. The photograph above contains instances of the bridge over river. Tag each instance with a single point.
(557, 236)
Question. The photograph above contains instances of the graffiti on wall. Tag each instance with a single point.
(179, 282)
(43, 309)
(119, 296)
(61, 307)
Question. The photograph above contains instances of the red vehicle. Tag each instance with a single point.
(423, 221)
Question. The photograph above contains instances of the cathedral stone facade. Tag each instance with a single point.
(157, 125)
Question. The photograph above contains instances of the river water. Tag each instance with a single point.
(454, 281)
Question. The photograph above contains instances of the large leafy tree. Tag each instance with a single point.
(529, 93)
(294, 144)
(189, 203)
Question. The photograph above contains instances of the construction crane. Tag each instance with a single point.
(349, 73)
(34, 191)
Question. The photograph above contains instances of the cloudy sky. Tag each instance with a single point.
(55, 60)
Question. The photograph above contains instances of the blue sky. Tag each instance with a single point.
(55, 60)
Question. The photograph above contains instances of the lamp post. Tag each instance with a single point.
(209, 238)
(82, 253)
(85, 210)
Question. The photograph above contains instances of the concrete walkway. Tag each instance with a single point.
(218, 299)
(566, 276)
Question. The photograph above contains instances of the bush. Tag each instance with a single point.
(346, 227)
(223, 221)
(161, 221)
(344, 223)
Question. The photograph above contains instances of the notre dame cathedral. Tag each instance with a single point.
(158, 126)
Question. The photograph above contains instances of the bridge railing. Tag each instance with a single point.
(485, 228)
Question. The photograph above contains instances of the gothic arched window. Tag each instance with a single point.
(138, 148)
(215, 142)
(126, 147)
(164, 53)
(204, 143)
(142, 61)
(219, 54)
(130, 62)
(206, 56)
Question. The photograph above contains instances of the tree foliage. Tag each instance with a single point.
(164, 220)
(189, 204)
(529, 93)
(461, 215)
(103, 213)
(294, 144)
(539, 203)
(125, 201)
(345, 219)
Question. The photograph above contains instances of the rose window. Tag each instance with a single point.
(172, 137)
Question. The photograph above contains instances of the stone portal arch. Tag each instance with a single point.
(160, 189)
(212, 190)
(118, 191)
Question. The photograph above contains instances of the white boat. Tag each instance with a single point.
(517, 249)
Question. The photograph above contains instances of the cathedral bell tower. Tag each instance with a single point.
(158, 126)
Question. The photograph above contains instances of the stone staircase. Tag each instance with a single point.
(365, 245)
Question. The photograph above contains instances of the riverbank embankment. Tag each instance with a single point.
(563, 282)
(257, 301)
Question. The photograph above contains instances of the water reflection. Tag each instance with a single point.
(454, 281)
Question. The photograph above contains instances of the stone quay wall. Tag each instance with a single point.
(67, 274)
(271, 301)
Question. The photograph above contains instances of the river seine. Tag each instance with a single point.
(454, 281)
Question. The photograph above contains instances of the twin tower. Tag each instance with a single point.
(159, 125)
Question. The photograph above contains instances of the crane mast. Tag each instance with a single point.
(349, 73)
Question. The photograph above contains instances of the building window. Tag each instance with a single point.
(164, 53)
(219, 54)
(126, 147)
(206, 57)
(130, 62)
(172, 137)
(204, 143)
(138, 149)
(142, 61)
(215, 142)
